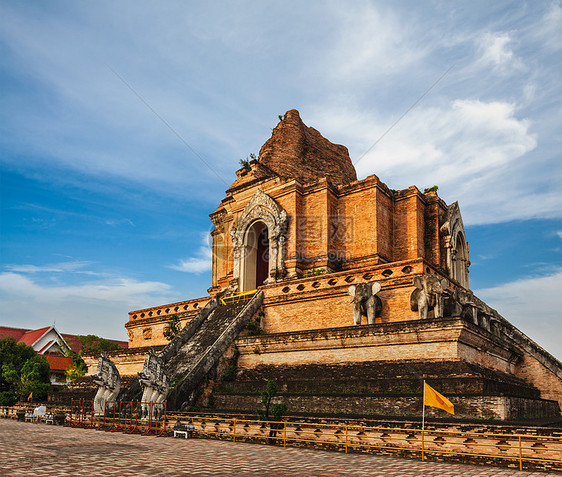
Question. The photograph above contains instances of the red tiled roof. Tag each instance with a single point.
(16, 333)
(58, 363)
(72, 341)
(32, 336)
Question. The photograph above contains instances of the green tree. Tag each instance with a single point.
(33, 377)
(78, 367)
(276, 409)
(94, 345)
(173, 328)
(22, 371)
(13, 352)
(91, 345)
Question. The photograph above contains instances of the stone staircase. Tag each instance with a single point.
(198, 347)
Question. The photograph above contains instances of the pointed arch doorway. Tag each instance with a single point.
(258, 242)
(255, 268)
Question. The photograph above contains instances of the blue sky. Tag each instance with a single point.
(105, 209)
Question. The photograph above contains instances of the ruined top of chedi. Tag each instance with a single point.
(297, 151)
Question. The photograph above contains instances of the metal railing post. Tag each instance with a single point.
(81, 412)
(284, 433)
(346, 439)
(520, 457)
(233, 430)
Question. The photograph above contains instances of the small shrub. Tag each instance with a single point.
(254, 328)
(431, 189)
(173, 328)
(229, 373)
(245, 163)
(277, 410)
(174, 382)
(315, 272)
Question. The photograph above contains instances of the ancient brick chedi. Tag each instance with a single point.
(364, 291)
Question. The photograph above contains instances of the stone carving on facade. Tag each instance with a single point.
(156, 385)
(465, 304)
(458, 256)
(261, 208)
(108, 380)
(429, 294)
(365, 301)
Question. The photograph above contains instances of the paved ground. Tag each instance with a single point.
(42, 450)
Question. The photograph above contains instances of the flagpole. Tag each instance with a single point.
(423, 422)
(423, 409)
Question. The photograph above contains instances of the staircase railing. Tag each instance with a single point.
(238, 298)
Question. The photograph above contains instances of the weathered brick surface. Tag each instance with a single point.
(342, 231)
(300, 152)
(146, 327)
(362, 223)
(433, 340)
(388, 388)
(483, 407)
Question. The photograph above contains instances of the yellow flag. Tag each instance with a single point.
(434, 399)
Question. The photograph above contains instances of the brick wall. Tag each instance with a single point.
(467, 407)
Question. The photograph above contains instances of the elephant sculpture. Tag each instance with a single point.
(108, 379)
(365, 301)
(428, 294)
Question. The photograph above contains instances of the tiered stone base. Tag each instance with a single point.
(379, 370)
(388, 389)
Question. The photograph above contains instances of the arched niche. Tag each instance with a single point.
(258, 240)
(459, 260)
(255, 265)
(458, 255)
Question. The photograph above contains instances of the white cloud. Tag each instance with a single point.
(549, 30)
(123, 290)
(495, 51)
(56, 268)
(368, 36)
(100, 307)
(116, 222)
(470, 148)
(195, 71)
(559, 233)
(533, 305)
(202, 262)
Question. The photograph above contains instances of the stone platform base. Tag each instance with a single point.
(502, 408)
(388, 389)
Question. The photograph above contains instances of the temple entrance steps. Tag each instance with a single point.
(199, 345)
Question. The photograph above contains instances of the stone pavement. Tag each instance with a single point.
(42, 450)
